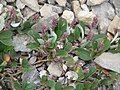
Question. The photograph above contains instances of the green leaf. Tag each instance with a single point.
(43, 80)
(79, 86)
(106, 44)
(51, 83)
(35, 35)
(80, 74)
(98, 36)
(69, 61)
(77, 33)
(95, 84)
(87, 85)
(6, 37)
(84, 54)
(61, 27)
(17, 85)
(68, 88)
(25, 65)
(62, 53)
(68, 46)
(58, 86)
(28, 86)
(95, 45)
(33, 46)
(90, 73)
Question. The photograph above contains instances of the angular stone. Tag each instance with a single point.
(55, 69)
(51, 1)
(72, 75)
(104, 12)
(27, 12)
(109, 61)
(95, 2)
(10, 0)
(19, 4)
(50, 10)
(76, 7)
(116, 4)
(1, 8)
(61, 2)
(82, 1)
(85, 7)
(68, 15)
(114, 25)
(33, 4)
(20, 43)
(86, 17)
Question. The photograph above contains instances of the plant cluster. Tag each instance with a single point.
(60, 42)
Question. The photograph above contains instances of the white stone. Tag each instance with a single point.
(71, 75)
(42, 73)
(32, 60)
(86, 17)
(85, 7)
(82, 1)
(55, 69)
(19, 4)
(50, 10)
(33, 4)
(61, 2)
(109, 61)
(76, 7)
(68, 15)
(104, 12)
(64, 67)
(1, 8)
(95, 2)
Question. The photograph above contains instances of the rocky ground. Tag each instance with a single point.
(103, 16)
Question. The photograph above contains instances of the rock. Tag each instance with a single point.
(76, 7)
(33, 4)
(95, 2)
(64, 67)
(82, 1)
(62, 80)
(42, 73)
(86, 17)
(31, 76)
(27, 12)
(32, 60)
(85, 7)
(109, 61)
(14, 24)
(68, 15)
(1, 8)
(50, 10)
(62, 2)
(116, 4)
(104, 12)
(20, 42)
(114, 25)
(19, 4)
(10, 0)
(51, 1)
(2, 22)
(55, 69)
(71, 75)
(41, 1)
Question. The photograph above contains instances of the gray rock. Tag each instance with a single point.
(109, 61)
(116, 3)
(104, 12)
(10, 0)
(95, 2)
(20, 42)
(51, 1)
(82, 1)
(19, 4)
(61, 2)
(55, 69)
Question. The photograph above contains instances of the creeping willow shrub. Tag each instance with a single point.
(59, 42)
